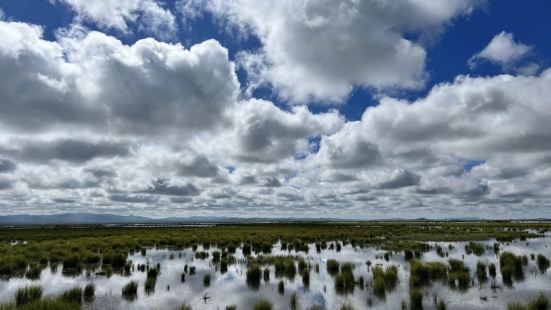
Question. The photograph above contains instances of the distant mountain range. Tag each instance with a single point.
(103, 219)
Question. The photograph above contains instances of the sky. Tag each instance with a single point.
(360, 109)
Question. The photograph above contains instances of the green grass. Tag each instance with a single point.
(384, 280)
(481, 273)
(73, 295)
(474, 248)
(263, 304)
(511, 268)
(539, 303)
(184, 307)
(333, 267)
(27, 294)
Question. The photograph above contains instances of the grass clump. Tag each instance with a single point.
(206, 280)
(473, 247)
(263, 304)
(416, 299)
(539, 303)
(253, 277)
(73, 295)
(423, 273)
(344, 281)
(346, 306)
(511, 268)
(459, 276)
(333, 267)
(481, 274)
(281, 287)
(543, 263)
(89, 291)
(130, 290)
(306, 278)
(184, 307)
(27, 295)
(384, 280)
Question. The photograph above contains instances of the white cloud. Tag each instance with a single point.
(505, 52)
(149, 15)
(89, 123)
(95, 81)
(321, 50)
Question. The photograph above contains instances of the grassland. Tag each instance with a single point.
(25, 251)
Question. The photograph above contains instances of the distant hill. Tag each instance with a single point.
(89, 218)
(103, 219)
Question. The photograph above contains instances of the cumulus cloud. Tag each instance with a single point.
(94, 80)
(504, 51)
(321, 50)
(149, 15)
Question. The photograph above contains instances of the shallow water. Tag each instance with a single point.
(230, 288)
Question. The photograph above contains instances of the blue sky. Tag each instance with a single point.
(440, 105)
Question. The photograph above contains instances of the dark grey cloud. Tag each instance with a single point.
(7, 165)
(133, 198)
(400, 178)
(71, 150)
(248, 180)
(5, 184)
(101, 173)
(271, 182)
(163, 187)
(63, 200)
(200, 166)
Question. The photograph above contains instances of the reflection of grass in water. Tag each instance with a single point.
(293, 302)
(206, 280)
(543, 263)
(281, 287)
(149, 286)
(416, 299)
(89, 291)
(130, 290)
(481, 274)
(253, 277)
